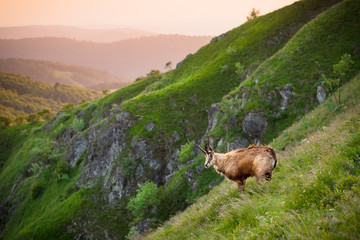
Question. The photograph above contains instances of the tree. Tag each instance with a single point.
(340, 71)
(33, 117)
(105, 91)
(20, 120)
(168, 65)
(45, 114)
(146, 197)
(5, 121)
(253, 14)
(153, 73)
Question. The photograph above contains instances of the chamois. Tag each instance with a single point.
(238, 165)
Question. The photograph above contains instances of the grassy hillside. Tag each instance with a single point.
(20, 95)
(52, 73)
(314, 194)
(94, 166)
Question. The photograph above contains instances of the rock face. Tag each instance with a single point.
(321, 94)
(285, 93)
(254, 125)
(237, 143)
(212, 120)
(107, 143)
(78, 145)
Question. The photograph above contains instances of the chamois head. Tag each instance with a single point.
(209, 155)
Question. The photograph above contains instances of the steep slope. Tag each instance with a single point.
(20, 95)
(314, 194)
(128, 58)
(88, 176)
(52, 73)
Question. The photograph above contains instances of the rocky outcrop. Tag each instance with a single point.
(107, 144)
(237, 143)
(255, 125)
(285, 93)
(212, 120)
(320, 94)
(78, 145)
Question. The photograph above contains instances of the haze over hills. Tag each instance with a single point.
(20, 95)
(77, 33)
(55, 72)
(129, 58)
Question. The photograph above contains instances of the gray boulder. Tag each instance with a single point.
(321, 94)
(237, 143)
(254, 124)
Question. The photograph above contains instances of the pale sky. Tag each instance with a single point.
(192, 17)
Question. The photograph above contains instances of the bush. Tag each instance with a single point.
(78, 125)
(146, 197)
(68, 106)
(186, 153)
(36, 190)
(41, 149)
(128, 167)
(5, 121)
(33, 118)
(62, 167)
(20, 120)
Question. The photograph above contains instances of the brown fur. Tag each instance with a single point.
(238, 165)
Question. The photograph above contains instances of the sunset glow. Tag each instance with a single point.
(199, 17)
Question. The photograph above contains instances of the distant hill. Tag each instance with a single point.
(55, 72)
(128, 58)
(82, 34)
(21, 95)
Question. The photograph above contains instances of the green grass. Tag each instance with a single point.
(312, 51)
(314, 194)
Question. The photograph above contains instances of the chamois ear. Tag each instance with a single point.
(202, 150)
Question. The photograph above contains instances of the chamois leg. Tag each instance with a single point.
(241, 185)
(266, 175)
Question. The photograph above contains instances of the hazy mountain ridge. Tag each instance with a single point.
(55, 72)
(130, 58)
(77, 33)
(92, 181)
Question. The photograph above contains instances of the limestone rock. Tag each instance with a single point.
(285, 93)
(237, 143)
(321, 94)
(254, 124)
(78, 145)
(150, 126)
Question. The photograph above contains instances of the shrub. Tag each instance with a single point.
(33, 118)
(128, 167)
(186, 153)
(36, 190)
(64, 117)
(20, 120)
(78, 124)
(146, 197)
(68, 106)
(62, 167)
(5, 121)
(41, 149)
(45, 114)
(36, 168)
